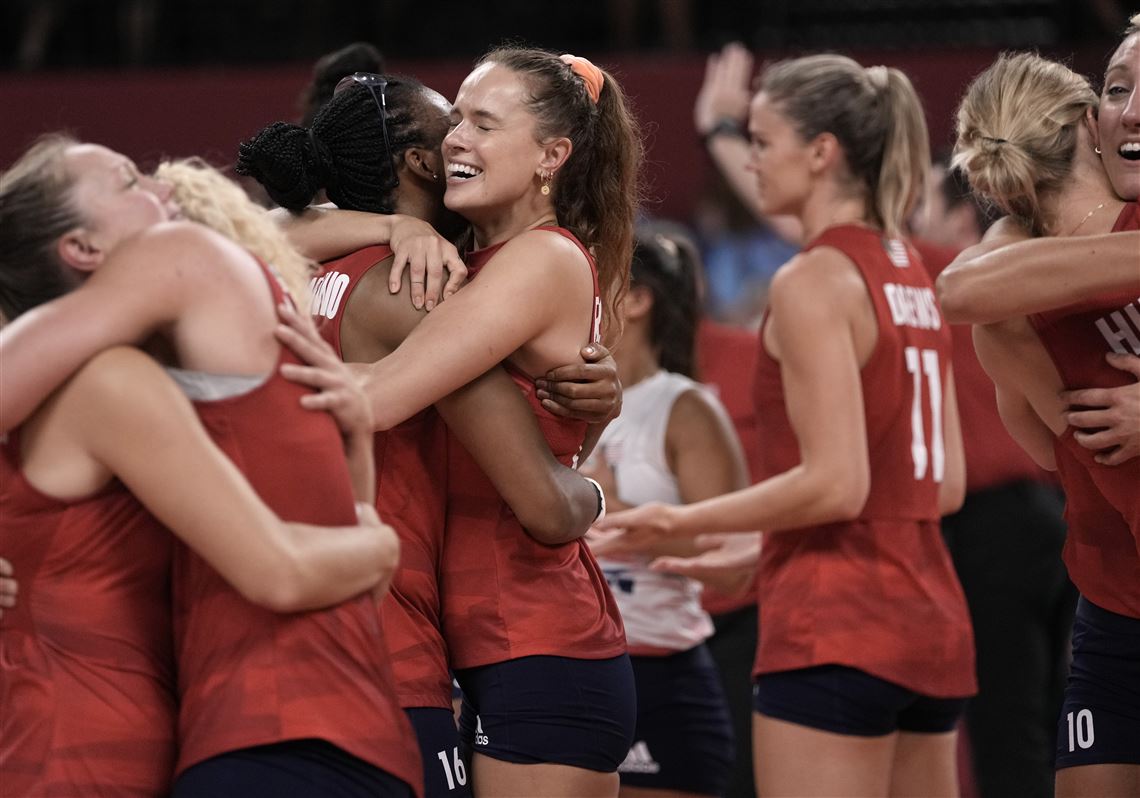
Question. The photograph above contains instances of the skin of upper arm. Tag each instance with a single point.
(376, 321)
(136, 421)
(703, 450)
(520, 294)
(815, 304)
(322, 232)
(144, 285)
(1017, 414)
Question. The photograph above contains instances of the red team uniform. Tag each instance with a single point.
(411, 494)
(1077, 339)
(86, 673)
(248, 676)
(1100, 719)
(507, 597)
(878, 593)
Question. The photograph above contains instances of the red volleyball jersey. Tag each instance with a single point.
(87, 703)
(505, 595)
(1100, 552)
(878, 593)
(411, 493)
(248, 676)
(1077, 339)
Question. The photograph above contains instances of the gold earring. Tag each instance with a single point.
(546, 178)
(1096, 150)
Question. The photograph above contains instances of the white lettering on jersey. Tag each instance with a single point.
(596, 327)
(912, 306)
(1121, 329)
(326, 293)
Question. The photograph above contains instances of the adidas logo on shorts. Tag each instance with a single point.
(639, 760)
(480, 737)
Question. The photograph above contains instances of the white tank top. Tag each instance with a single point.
(662, 612)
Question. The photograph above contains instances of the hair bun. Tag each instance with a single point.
(288, 162)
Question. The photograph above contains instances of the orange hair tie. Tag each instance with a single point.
(590, 75)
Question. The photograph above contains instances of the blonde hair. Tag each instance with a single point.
(1017, 133)
(1133, 25)
(877, 118)
(208, 197)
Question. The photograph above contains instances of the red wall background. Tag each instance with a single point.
(208, 111)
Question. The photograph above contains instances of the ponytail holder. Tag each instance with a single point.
(993, 140)
(878, 77)
(590, 74)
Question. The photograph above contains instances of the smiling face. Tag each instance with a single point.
(490, 155)
(114, 200)
(1118, 122)
(778, 157)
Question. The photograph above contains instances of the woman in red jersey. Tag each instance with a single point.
(987, 285)
(542, 159)
(88, 678)
(262, 695)
(384, 157)
(866, 653)
(1027, 140)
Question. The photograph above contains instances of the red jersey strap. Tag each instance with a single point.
(329, 292)
(477, 259)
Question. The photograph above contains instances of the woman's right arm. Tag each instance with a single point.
(489, 416)
(986, 284)
(815, 302)
(322, 233)
(134, 420)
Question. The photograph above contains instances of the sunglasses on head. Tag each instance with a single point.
(376, 84)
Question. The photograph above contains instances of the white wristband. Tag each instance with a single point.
(601, 499)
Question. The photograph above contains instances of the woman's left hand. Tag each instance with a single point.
(726, 562)
(427, 254)
(589, 391)
(338, 391)
(1108, 419)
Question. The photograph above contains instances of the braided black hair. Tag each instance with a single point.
(343, 152)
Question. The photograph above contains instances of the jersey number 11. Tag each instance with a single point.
(918, 363)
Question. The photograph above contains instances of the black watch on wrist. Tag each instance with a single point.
(725, 126)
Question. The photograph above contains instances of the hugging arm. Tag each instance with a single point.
(1011, 277)
(189, 485)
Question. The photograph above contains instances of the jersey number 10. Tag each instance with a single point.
(918, 363)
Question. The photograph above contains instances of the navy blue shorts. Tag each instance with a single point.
(684, 738)
(1100, 719)
(294, 767)
(843, 700)
(445, 773)
(531, 710)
